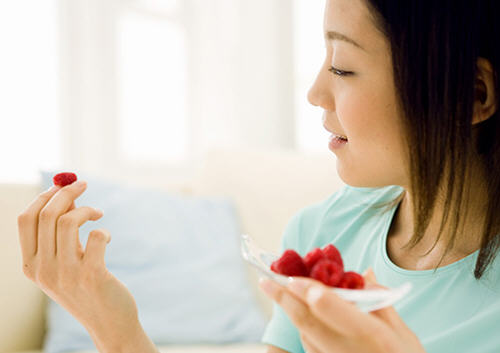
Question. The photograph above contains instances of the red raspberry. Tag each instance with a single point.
(63, 179)
(312, 257)
(327, 271)
(290, 264)
(352, 280)
(332, 253)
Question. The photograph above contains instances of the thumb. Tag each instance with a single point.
(388, 314)
(371, 281)
(71, 207)
(96, 246)
(369, 275)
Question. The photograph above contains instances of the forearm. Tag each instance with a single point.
(132, 341)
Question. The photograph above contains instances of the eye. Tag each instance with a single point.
(339, 72)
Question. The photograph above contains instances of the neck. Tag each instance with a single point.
(469, 230)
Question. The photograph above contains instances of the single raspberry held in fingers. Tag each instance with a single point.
(63, 179)
(327, 271)
(312, 258)
(290, 264)
(332, 253)
(352, 280)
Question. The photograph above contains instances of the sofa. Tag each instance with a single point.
(267, 186)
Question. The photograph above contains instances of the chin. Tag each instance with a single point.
(361, 180)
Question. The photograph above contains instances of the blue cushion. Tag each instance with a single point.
(179, 256)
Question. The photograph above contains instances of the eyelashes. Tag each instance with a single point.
(339, 72)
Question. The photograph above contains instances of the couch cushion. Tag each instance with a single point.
(21, 301)
(268, 187)
(219, 348)
(178, 255)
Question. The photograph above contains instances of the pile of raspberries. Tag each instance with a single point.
(324, 265)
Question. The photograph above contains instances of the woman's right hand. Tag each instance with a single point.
(78, 280)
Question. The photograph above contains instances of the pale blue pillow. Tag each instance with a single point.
(179, 257)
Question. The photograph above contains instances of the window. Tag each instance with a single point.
(143, 88)
(152, 82)
(309, 54)
(29, 111)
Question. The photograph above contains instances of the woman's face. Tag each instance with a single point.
(361, 105)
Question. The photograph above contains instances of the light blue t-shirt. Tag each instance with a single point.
(448, 309)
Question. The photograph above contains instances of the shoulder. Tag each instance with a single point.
(349, 199)
(344, 205)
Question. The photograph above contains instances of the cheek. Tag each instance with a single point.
(371, 122)
(359, 113)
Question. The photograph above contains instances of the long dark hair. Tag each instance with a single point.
(435, 46)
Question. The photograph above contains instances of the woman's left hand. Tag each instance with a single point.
(328, 323)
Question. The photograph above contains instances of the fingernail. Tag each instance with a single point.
(268, 286)
(98, 210)
(297, 286)
(53, 187)
(313, 294)
(80, 183)
(370, 275)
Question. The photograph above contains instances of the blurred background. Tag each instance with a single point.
(144, 87)
(202, 106)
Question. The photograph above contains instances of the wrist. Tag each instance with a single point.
(131, 340)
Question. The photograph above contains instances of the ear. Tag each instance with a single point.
(485, 96)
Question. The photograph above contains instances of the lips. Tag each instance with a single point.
(340, 136)
(335, 133)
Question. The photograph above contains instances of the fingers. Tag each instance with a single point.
(388, 314)
(299, 313)
(27, 223)
(67, 239)
(48, 216)
(96, 246)
(309, 346)
(333, 311)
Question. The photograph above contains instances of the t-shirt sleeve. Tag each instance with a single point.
(280, 331)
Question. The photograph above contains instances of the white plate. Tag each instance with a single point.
(366, 299)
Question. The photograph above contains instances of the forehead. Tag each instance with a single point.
(352, 19)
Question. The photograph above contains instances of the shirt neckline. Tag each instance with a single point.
(416, 273)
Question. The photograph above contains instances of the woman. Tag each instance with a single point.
(413, 86)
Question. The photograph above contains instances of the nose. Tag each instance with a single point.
(320, 92)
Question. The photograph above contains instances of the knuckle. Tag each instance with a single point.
(24, 218)
(46, 214)
(66, 221)
(98, 235)
(28, 271)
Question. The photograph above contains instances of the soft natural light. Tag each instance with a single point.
(158, 7)
(152, 76)
(30, 134)
(309, 55)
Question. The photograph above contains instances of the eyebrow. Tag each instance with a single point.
(332, 35)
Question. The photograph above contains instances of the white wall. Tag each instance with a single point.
(240, 81)
(246, 84)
